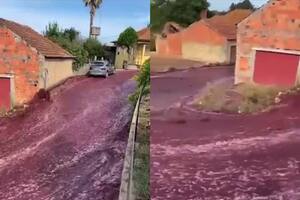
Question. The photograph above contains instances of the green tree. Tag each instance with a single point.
(128, 38)
(158, 15)
(94, 48)
(246, 4)
(75, 48)
(93, 5)
(183, 12)
(68, 39)
(53, 30)
(232, 6)
(71, 33)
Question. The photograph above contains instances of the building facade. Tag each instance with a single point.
(136, 55)
(268, 45)
(209, 41)
(28, 62)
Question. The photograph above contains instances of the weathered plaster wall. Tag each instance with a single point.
(174, 42)
(142, 53)
(170, 46)
(121, 56)
(161, 46)
(57, 71)
(22, 62)
(201, 43)
(205, 53)
(275, 26)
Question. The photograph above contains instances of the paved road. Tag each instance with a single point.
(208, 156)
(71, 148)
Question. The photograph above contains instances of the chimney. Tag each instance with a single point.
(203, 14)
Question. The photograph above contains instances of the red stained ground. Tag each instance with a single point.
(208, 156)
(70, 148)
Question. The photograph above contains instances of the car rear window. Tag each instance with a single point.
(98, 64)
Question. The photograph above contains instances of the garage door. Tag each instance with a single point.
(275, 68)
(5, 100)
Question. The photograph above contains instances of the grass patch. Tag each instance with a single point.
(244, 98)
(142, 152)
(256, 98)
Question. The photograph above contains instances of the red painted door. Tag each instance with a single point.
(275, 68)
(5, 93)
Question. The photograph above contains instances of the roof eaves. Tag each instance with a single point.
(59, 57)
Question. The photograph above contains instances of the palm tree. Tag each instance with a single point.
(93, 5)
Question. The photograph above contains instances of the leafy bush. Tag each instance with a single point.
(256, 98)
(143, 78)
(69, 40)
(143, 81)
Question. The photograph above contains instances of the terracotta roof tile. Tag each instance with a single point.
(144, 34)
(45, 46)
(227, 24)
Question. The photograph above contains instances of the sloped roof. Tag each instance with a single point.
(227, 24)
(43, 45)
(144, 34)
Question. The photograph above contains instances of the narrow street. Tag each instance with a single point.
(209, 156)
(71, 148)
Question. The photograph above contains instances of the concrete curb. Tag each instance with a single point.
(126, 191)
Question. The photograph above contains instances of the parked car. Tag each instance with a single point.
(101, 68)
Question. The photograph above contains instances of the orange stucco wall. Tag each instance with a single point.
(161, 46)
(20, 61)
(174, 44)
(275, 26)
(197, 42)
(202, 43)
(170, 46)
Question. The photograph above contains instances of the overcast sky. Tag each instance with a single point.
(225, 4)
